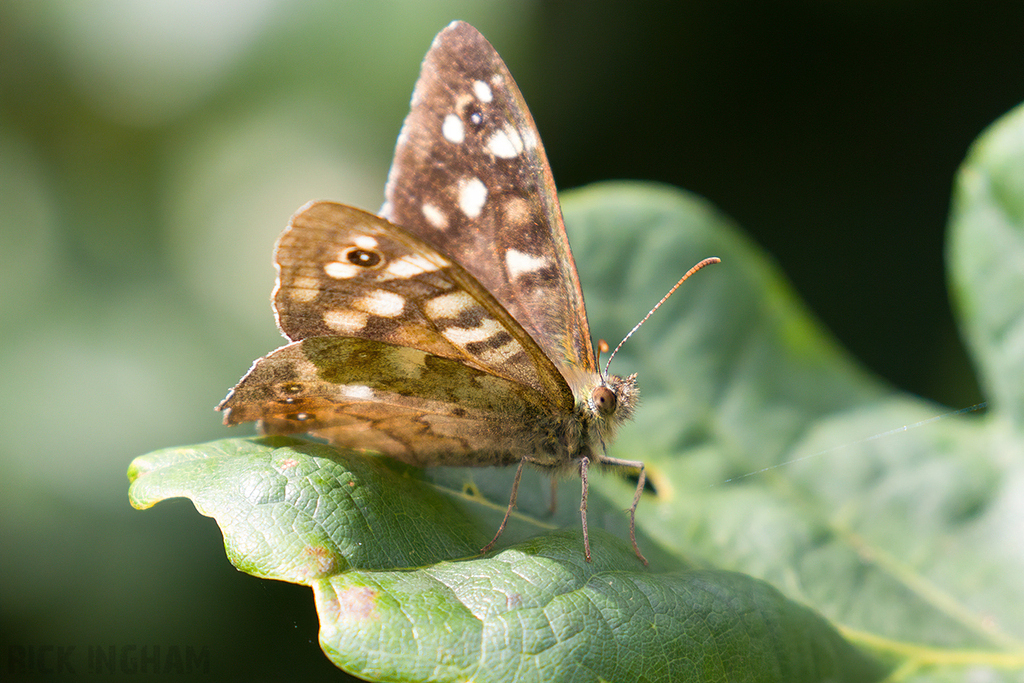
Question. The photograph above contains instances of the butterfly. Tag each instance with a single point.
(450, 330)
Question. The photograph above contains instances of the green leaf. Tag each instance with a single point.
(769, 452)
(297, 511)
(371, 540)
(986, 259)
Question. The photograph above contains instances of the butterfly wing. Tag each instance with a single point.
(414, 406)
(397, 348)
(345, 272)
(470, 176)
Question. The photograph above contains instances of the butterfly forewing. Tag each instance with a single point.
(343, 271)
(470, 176)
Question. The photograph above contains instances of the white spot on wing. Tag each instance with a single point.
(449, 305)
(518, 262)
(472, 196)
(529, 139)
(365, 242)
(381, 303)
(482, 91)
(434, 216)
(466, 335)
(453, 130)
(502, 354)
(506, 144)
(411, 266)
(341, 271)
(356, 391)
(345, 320)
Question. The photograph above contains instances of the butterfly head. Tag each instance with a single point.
(612, 401)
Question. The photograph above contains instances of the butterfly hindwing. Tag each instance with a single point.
(411, 405)
(470, 176)
(346, 272)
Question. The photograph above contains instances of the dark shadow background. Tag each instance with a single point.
(147, 163)
(830, 131)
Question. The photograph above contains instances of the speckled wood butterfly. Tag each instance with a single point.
(459, 338)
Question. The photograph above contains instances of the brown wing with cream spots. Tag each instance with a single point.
(405, 403)
(345, 272)
(470, 176)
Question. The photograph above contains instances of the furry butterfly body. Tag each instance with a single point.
(451, 329)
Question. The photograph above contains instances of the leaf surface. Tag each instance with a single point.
(771, 454)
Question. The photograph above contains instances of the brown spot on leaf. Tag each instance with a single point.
(358, 602)
(318, 562)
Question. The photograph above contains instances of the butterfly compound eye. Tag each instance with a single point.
(362, 257)
(604, 400)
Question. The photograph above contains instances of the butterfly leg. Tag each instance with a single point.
(584, 464)
(554, 496)
(641, 480)
(511, 504)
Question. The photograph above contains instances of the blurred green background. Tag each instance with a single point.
(152, 150)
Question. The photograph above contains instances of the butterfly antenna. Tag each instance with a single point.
(706, 262)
